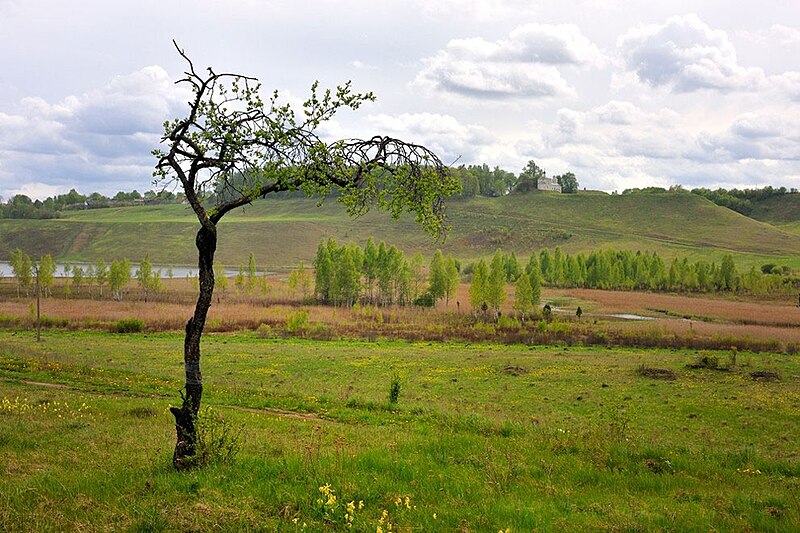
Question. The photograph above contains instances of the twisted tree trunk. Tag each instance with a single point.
(186, 415)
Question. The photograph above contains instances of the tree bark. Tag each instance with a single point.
(185, 416)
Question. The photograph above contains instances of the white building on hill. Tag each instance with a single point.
(548, 184)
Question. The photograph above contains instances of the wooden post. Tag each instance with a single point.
(38, 307)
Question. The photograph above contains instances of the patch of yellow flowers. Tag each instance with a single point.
(61, 410)
(337, 514)
(331, 507)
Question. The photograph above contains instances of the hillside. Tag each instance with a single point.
(282, 232)
(781, 210)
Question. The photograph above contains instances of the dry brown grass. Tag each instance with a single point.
(715, 322)
(699, 307)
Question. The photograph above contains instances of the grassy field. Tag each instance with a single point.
(483, 437)
(282, 232)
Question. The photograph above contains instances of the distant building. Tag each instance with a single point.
(548, 184)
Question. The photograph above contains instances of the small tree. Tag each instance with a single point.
(568, 182)
(22, 267)
(239, 279)
(523, 295)
(416, 275)
(452, 276)
(300, 278)
(222, 279)
(437, 277)
(148, 279)
(100, 274)
(119, 275)
(231, 148)
(496, 283)
(47, 274)
(77, 277)
(251, 272)
(478, 285)
(370, 265)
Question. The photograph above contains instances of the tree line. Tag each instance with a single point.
(739, 200)
(628, 270)
(476, 180)
(378, 274)
(22, 206)
(116, 276)
(382, 275)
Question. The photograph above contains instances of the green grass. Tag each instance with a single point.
(282, 232)
(485, 436)
(778, 210)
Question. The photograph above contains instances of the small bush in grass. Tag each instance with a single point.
(792, 348)
(706, 361)
(217, 439)
(394, 389)
(297, 322)
(129, 325)
(264, 331)
(508, 323)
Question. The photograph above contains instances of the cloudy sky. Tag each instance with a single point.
(622, 93)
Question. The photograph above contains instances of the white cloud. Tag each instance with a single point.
(105, 135)
(618, 145)
(523, 65)
(786, 35)
(686, 55)
(482, 10)
(37, 190)
(777, 33)
(443, 134)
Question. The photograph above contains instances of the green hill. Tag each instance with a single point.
(282, 232)
(783, 210)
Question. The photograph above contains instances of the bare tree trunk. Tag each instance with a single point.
(185, 417)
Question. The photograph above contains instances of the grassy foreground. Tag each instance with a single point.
(483, 438)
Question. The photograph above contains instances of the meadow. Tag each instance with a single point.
(486, 434)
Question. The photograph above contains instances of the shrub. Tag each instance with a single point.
(217, 439)
(507, 322)
(264, 331)
(484, 329)
(129, 325)
(297, 322)
(706, 361)
(394, 389)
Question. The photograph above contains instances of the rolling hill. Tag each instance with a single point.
(282, 232)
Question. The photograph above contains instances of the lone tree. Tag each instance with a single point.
(232, 148)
